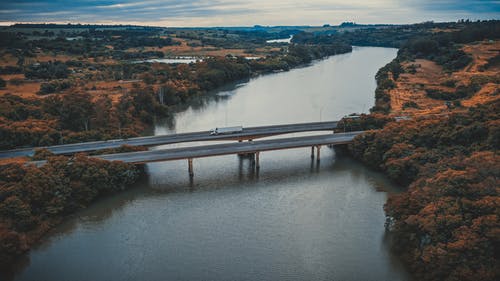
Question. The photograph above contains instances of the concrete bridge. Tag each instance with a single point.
(248, 133)
(254, 148)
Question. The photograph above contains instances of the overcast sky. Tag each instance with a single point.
(245, 12)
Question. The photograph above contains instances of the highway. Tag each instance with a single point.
(230, 148)
(246, 134)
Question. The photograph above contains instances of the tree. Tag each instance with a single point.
(34, 198)
(445, 226)
(424, 46)
(76, 111)
(148, 78)
(103, 107)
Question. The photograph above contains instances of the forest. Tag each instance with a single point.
(72, 115)
(66, 108)
(33, 199)
(446, 224)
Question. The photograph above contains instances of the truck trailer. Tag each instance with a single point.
(226, 130)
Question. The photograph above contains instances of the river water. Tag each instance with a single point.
(295, 219)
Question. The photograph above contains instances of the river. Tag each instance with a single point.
(293, 220)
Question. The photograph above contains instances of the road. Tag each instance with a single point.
(247, 133)
(225, 149)
(229, 148)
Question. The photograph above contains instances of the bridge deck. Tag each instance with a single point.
(247, 133)
(230, 148)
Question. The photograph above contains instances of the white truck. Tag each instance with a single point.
(226, 130)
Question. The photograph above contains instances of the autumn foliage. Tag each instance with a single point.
(446, 226)
(70, 118)
(32, 199)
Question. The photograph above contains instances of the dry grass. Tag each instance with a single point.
(429, 75)
(411, 87)
(185, 50)
(488, 93)
(481, 53)
(113, 89)
(8, 77)
(19, 160)
(46, 57)
(8, 60)
(436, 30)
(25, 90)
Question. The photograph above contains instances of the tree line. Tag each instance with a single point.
(34, 199)
(73, 116)
(445, 226)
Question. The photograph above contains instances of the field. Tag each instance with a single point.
(411, 87)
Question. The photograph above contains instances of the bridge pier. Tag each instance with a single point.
(250, 149)
(190, 167)
(247, 155)
(318, 154)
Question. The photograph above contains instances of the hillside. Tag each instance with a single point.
(446, 225)
(425, 87)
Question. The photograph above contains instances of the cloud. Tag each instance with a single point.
(117, 6)
(471, 6)
(245, 12)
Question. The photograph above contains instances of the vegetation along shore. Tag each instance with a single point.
(436, 113)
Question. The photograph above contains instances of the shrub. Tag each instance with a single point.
(16, 81)
(54, 87)
(410, 104)
(449, 83)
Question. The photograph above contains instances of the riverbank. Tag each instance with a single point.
(293, 210)
(447, 217)
(17, 239)
(81, 113)
(445, 226)
(37, 199)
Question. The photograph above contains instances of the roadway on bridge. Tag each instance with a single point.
(247, 133)
(230, 148)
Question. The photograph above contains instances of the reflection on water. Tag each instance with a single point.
(294, 219)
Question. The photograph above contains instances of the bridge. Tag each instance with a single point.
(248, 133)
(253, 148)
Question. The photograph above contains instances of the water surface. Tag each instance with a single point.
(281, 40)
(175, 60)
(294, 219)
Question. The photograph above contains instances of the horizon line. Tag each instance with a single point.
(11, 24)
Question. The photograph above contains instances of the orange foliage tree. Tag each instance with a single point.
(446, 226)
(32, 198)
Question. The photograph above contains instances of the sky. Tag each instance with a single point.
(245, 12)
